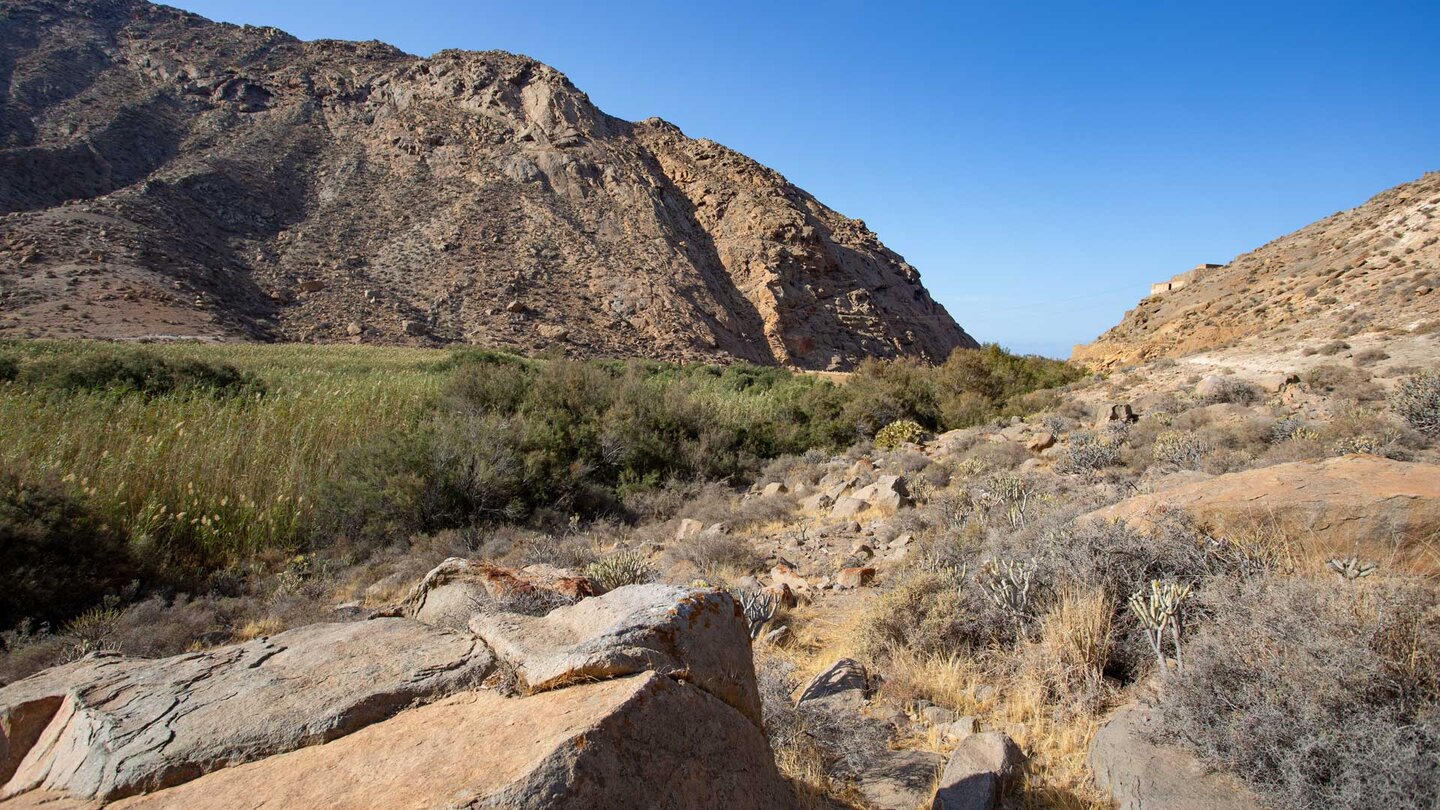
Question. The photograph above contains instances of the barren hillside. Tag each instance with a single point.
(162, 175)
(1370, 268)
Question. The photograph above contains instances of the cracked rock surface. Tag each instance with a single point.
(114, 727)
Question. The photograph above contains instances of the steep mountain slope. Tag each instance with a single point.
(1372, 267)
(163, 175)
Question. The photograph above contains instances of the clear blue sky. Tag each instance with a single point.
(1039, 162)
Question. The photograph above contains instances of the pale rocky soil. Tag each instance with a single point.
(163, 176)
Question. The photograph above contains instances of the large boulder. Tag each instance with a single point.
(640, 741)
(979, 772)
(889, 492)
(1337, 505)
(700, 635)
(457, 589)
(110, 727)
(1143, 775)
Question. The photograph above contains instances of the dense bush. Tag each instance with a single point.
(9, 368)
(1183, 448)
(897, 433)
(970, 388)
(55, 557)
(1320, 693)
(1230, 390)
(132, 371)
(1086, 454)
(518, 440)
(1417, 401)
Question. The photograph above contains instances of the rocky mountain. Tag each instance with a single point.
(1370, 268)
(164, 175)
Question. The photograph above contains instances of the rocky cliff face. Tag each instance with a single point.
(1372, 267)
(164, 175)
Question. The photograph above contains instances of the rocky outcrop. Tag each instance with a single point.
(1336, 506)
(700, 636)
(114, 727)
(1143, 775)
(161, 174)
(640, 741)
(644, 697)
(1363, 268)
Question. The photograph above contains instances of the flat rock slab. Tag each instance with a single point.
(1334, 505)
(642, 741)
(898, 780)
(698, 635)
(1143, 775)
(116, 727)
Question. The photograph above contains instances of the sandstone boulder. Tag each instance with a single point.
(773, 488)
(639, 741)
(847, 507)
(888, 492)
(700, 635)
(1337, 505)
(785, 575)
(854, 577)
(1115, 412)
(842, 686)
(980, 771)
(1143, 775)
(1040, 442)
(457, 589)
(114, 727)
(688, 529)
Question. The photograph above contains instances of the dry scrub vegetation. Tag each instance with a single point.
(184, 496)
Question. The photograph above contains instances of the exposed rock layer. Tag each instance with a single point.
(1352, 504)
(161, 174)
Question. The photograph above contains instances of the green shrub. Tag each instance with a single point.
(897, 433)
(9, 368)
(135, 371)
(1417, 401)
(1237, 392)
(1183, 448)
(620, 569)
(56, 558)
(1085, 454)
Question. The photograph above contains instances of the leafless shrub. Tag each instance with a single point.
(1318, 695)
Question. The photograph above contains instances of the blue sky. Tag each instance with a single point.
(1039, 162)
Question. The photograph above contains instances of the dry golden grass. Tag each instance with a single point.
(1047, 694)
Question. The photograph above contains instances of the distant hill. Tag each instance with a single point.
(162, 175)
(1372, 267)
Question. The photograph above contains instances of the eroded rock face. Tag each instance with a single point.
(170, 175)
(1337, 505)
(117, 726)
(640, 741)
(698, 635)
(1143, 775)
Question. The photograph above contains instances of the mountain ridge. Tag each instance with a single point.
(1367, 268)
(168, 175)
